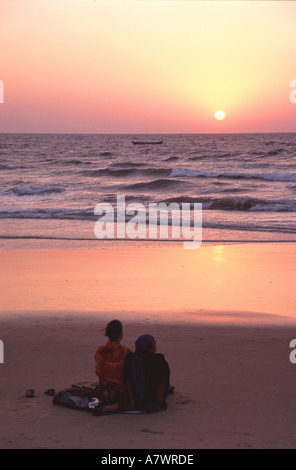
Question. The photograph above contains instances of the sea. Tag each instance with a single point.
(51, 183)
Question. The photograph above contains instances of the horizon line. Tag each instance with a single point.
(145, 133)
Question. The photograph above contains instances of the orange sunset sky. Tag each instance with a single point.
(147, 66)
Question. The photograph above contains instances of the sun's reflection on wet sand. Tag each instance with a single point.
(218, 253)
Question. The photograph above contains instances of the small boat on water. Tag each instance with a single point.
(155, 142)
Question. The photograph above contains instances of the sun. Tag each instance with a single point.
(219, 115)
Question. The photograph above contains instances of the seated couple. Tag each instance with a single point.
(138, 380)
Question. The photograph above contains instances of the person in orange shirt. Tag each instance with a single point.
(109, 359)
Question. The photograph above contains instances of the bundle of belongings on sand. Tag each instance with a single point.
(89, 397)
(99, 399)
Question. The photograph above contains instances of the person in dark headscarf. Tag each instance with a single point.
(146, 374)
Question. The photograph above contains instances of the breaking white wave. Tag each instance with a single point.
(192, 173)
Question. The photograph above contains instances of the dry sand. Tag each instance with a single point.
(234, 387)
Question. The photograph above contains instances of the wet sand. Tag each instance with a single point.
(179, 283)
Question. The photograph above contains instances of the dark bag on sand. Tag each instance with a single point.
(86, 398)
(73, 398)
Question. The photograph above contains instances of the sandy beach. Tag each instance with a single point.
(159, 281)
(234, 383)
(234, 387)
(128, 129)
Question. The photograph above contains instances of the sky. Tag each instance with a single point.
(133, 66)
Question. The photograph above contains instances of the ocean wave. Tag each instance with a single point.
(24, 190)
(106, 154)
(198, 157)
(48, 213)
(126, 164)
(292, 186)
(75, 162)
(270, 142)
(171, 159)
(191, 173)
(6, 167)
(255, 153)
(251, 204)
(109, 172)
(87, 214)
(237, 203)
(270, 153)
(162, 183)
(225, 155)
(117, 172)
(260, 226)
(231, 189)
(185, 199)
(156, 171)
(216, 156)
